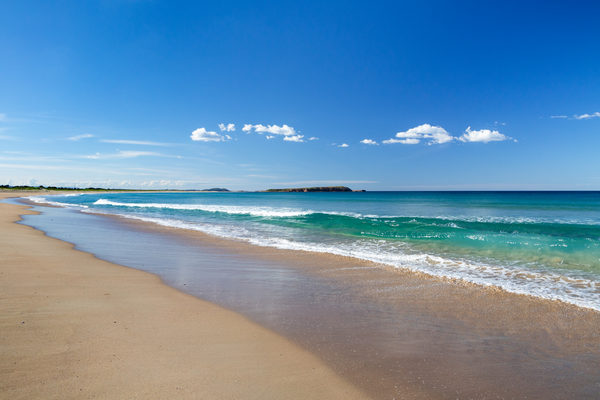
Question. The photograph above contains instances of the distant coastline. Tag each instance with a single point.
(93, 189)
(316, 189)
(212, 190)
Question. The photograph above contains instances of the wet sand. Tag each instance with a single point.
(74, 326)
(399, 334)
(391, 333)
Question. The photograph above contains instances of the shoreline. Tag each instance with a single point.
(74, 326)
(561, 285)
(497, 341)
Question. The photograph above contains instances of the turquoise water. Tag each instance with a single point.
(544, 244)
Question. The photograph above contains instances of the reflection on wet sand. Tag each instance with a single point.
(390, 332)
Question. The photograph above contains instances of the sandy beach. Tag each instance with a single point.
(324, 326)
(74, 326)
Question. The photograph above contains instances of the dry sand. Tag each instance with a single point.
(73, 326)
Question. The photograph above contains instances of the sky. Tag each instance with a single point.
(253, 95)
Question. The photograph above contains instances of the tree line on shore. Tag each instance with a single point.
(26, 187)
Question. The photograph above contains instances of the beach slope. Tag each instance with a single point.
(74, 326)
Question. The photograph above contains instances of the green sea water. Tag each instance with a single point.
(544, 244)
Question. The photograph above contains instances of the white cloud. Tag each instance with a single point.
(343, 145)
(314, 138)
(296, 138)
(558, 116)
(437, 135)
(78, 137)
(140, 142)
(32, 182)
(587, 116)
(284, 130)
(274, 129)
(2, 117)
(206, 136)
(431, 134)
(403, 141)
(369, 141)
(484, 135)
(228, 127)
(270, 137)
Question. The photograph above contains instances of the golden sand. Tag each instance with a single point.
(73, 326)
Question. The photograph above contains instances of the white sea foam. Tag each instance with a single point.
(556, 285)
(38, 199)
(242, 210)
(288, 212)
(581, 291)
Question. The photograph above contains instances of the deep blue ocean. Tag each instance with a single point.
(544, 244)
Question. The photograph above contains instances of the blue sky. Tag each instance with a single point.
(429, 95)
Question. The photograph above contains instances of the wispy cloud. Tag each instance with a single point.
(2, 117)
(203, 135)
(261, 176)
(369, 141)
(500, 186)
(270, 137)
(125, 184)
(20, 156)
(127, 154)
(582, 116)
(403, 141)
(7, 137)
(483, 135)
(343, 145)
(314, 138)
(227, 128)
(79, 137)
(137, 142)
(587, 116)
(35, 167)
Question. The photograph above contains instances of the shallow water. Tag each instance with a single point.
(545, 244)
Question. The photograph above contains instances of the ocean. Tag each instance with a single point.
(544, 244)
